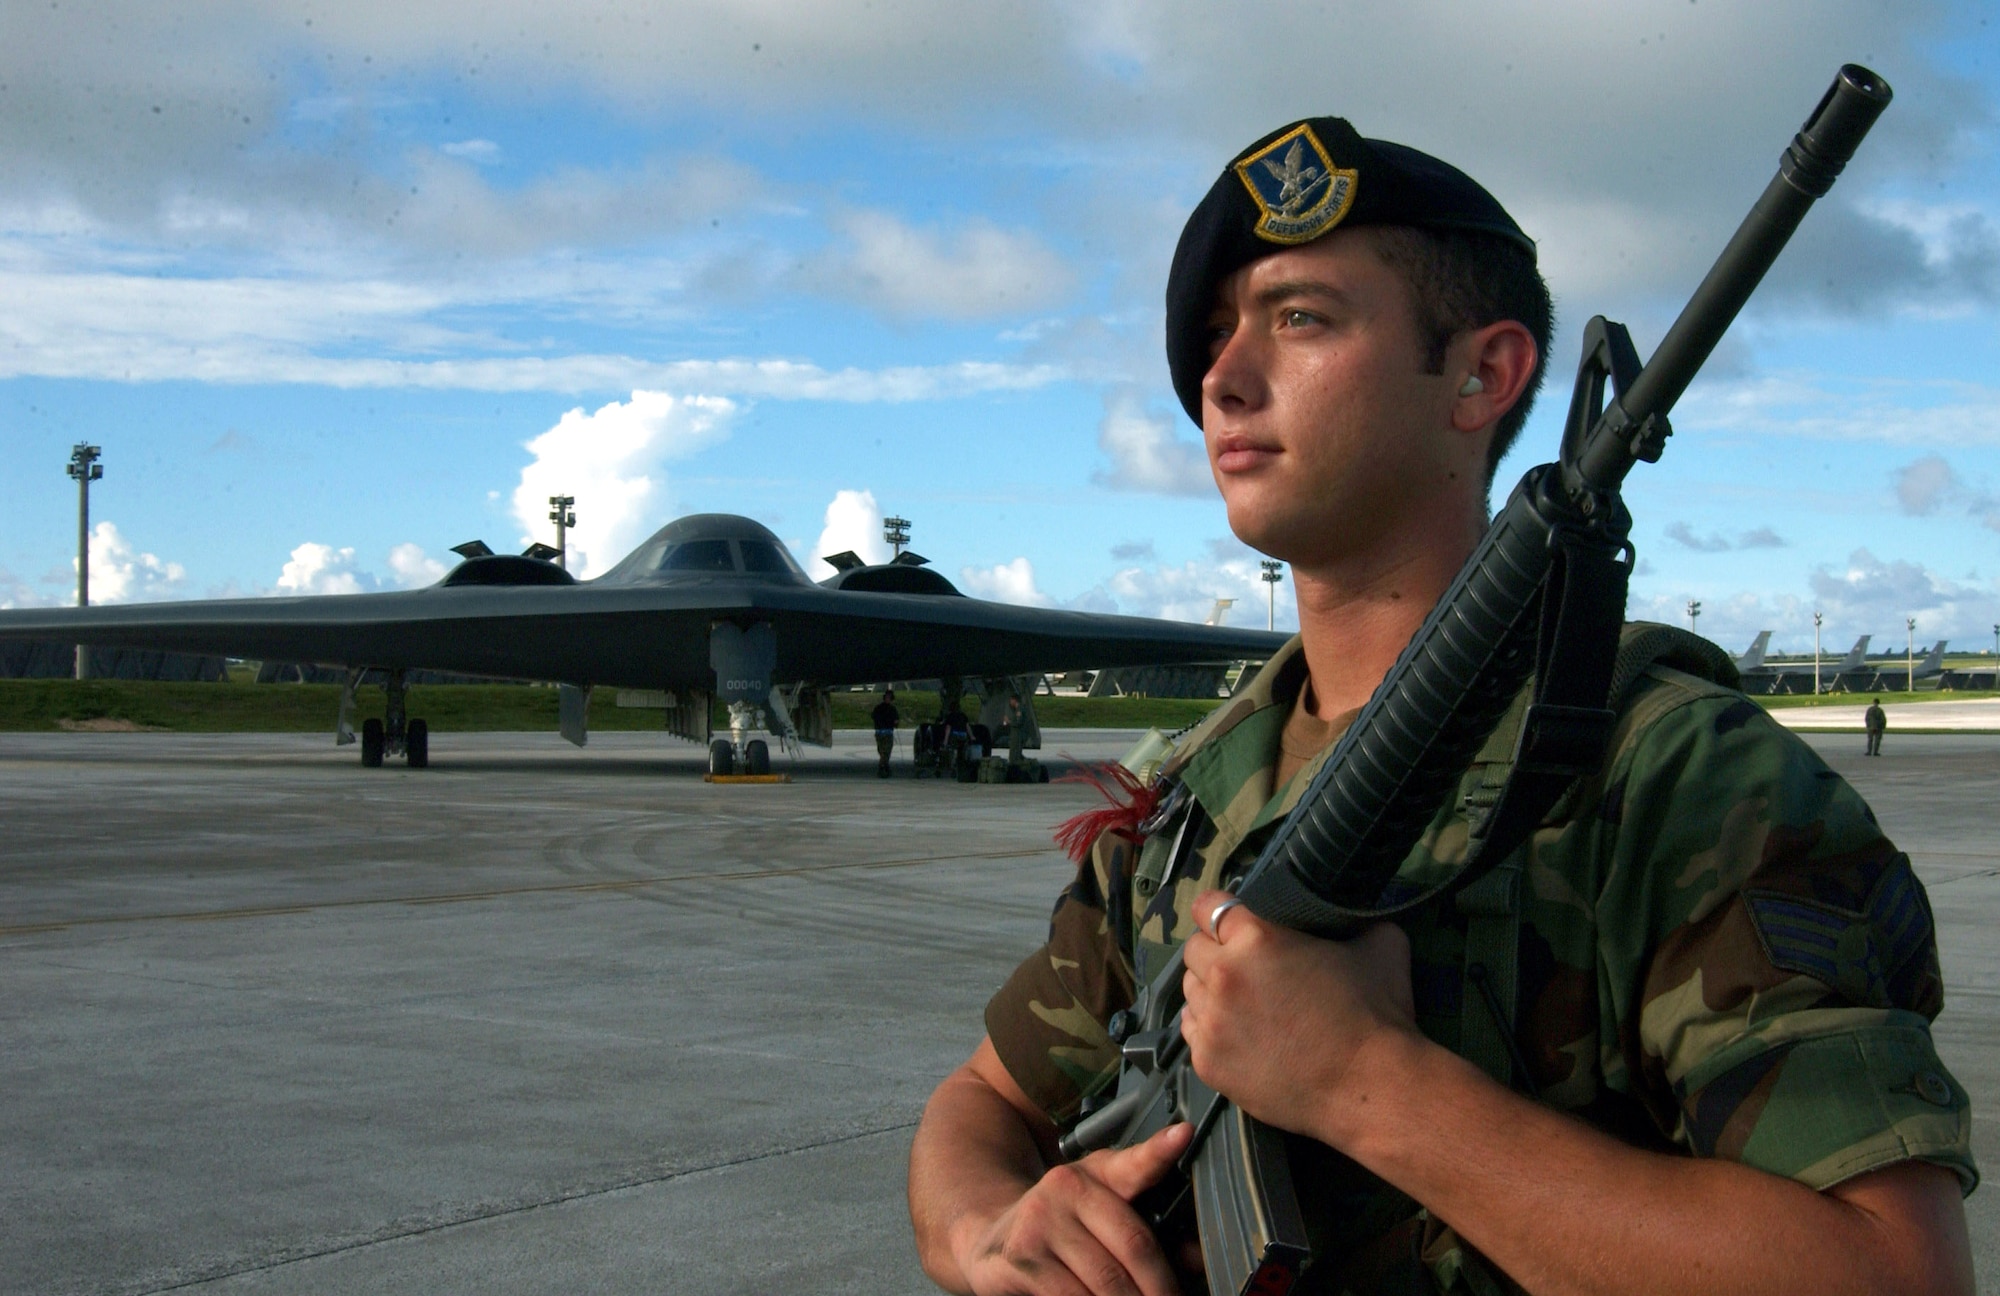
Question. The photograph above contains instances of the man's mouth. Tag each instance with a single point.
(1236, 452)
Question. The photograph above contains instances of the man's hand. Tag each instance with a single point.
(995, 1215)
(1276, 1019)
(1075, 1231)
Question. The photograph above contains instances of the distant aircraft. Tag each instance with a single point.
(1219, 611)
(1893, 671)
(1760, 676)
(711, 606)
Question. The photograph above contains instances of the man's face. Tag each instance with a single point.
(1322, 428)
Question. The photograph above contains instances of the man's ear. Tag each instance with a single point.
(1489, 369)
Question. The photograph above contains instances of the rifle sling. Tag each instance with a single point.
(1562, 737)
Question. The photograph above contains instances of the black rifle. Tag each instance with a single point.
(1543, 596)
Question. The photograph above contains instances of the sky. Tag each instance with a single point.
(339, 286)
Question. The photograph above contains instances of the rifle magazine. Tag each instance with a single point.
(1253, 1233)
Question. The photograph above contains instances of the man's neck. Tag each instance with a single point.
(1357, 615)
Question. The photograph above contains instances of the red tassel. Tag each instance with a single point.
(1131, 804)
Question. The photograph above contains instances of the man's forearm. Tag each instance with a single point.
(972, 1158)
(1565, 1209)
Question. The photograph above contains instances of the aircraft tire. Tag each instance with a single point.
(721, 759)
(371, 744)
(757, 757)
(417, 744)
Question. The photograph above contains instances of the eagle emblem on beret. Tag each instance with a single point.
(1298, 190)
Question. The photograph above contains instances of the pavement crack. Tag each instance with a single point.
(399, 1231)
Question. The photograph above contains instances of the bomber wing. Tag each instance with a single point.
(645, 636)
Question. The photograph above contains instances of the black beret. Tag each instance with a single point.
(1290, 187)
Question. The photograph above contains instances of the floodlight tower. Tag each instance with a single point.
(83, 466)
(1816, 625)
(896, 531)
(1272, 567)
(564, 517)
(1910, 661)
(1694, 611)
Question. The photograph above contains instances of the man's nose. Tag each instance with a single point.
(1235, 377)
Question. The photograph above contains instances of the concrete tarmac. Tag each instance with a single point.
(541, 1020)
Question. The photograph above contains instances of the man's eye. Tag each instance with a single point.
(1298, 318)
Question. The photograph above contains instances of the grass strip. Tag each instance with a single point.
(50, 705)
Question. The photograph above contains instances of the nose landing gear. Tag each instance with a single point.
(393, 735)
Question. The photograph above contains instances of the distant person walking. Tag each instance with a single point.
(1875, 722)
(885, 729)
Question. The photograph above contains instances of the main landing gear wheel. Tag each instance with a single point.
(721, 758)
(372, 742)
(756, 757)
(417, 744)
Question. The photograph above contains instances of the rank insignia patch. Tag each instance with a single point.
(1299, 190)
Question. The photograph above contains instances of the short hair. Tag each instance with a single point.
(1466, 279)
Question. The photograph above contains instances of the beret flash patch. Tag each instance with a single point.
(1299, 191)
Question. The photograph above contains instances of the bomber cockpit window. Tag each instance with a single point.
(765, 557)
(698, 556)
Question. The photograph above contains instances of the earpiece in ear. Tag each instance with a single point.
(1472, 386)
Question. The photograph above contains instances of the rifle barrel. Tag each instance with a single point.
(1808, 169)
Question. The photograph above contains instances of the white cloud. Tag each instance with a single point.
(1923, 484)
(1872, 593)
(612, 462)
(253, 330)
(1008, 582)
(17, 593)
(1827, 407)
(1866, 595)
(1145, 454)
(119, 573)
(413, 567)
(1188, 591)
(978, 271)
(316, 568)
(1757, 538)
(482, 151)
(173, 99)
(853, 521)
(1928, 484)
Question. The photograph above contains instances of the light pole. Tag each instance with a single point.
(1816, 622)
(1272, 567)
(83, 466)
(1694, 612)
(1910, 662)
(896, 531)
(564, 517)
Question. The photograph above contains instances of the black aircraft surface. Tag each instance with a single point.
(711, 607)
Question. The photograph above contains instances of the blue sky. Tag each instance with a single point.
(338, 287)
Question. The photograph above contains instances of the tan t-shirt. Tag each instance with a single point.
(1306, 735)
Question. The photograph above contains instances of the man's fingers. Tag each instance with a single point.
(1137, 1263)
(1075, 1227)
(1205, 908)
(1131, 1171)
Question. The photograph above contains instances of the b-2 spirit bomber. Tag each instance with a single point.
(711, 607)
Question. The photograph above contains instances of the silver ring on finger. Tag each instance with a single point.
(1215, 918)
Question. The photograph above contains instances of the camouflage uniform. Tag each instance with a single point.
(1720, 954)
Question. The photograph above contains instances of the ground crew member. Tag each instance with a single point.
(885, 729)
(1723, 972)
(1876, 721)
